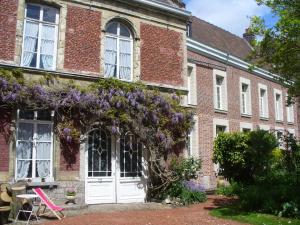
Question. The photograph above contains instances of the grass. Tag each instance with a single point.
(254, 218)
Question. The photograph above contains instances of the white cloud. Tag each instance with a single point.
(231, 15)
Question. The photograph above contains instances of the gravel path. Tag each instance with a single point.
(192, 215)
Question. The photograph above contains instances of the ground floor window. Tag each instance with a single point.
(34, 145)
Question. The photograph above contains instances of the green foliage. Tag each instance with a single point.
(290, 209)
(235, 213)
(243, 156)
(185, 168)
(280, 45)
(227, 190)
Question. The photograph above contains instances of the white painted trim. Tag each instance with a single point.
(278, 117)
(264, 87)
(224, 96)
(248, 104)
(264, 127)
(229, 59)
(244, 125)
(192, 86)
(220, 122)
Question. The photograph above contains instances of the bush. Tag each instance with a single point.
(228, 191)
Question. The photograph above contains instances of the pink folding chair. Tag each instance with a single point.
(47, 203)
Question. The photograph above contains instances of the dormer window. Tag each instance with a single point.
(118, 51)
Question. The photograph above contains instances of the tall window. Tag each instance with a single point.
(290, 114)
(245, 96)
(220, 90)
(34, 145)
(118, 51)
(278, 105)
(192, 84)
(263, 101)
(40, 37)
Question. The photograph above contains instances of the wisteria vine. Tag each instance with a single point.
(158, 120)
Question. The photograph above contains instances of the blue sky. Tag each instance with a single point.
(231, 15)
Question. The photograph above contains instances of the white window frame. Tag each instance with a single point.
(290, 114)
(263, 102)
(245, 97)
(192, 84)
(220, 122)
(40, 22)
(35, 122)
(193, 138)
(244, 125)
(292, 131)
(118, 37)
(278, 106)
(282, 131)
(223, 90)
(264, 127)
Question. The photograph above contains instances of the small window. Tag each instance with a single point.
(40, 37)
(245, 96)
(118, 51)
(220, 90)
(278, 105)
(220, 129)
(263, 101)
(34, 145)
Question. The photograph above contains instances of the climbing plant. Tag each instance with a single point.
(157, 119)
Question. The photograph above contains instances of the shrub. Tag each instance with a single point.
(229, 190)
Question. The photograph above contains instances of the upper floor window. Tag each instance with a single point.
(278, 105)
(220, 90)
(40, 37)
(263, 101)
(118, 51)
(290, 113)
(192, 84)
(245, 90)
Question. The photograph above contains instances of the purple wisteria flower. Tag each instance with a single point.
(67, 131)
(193, 186)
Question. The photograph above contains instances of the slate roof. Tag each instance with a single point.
(218, 38)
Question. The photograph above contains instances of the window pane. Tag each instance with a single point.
(110, 57)
(124, 31)
(26, 115)
(43, 150)
(112, 28)
(46, 62)
(42, 168)
(49, 14)
(24, 169)
(25, 131)
(33, 11)
(44, 132)
(33, 59)
(48, 32)
(24, 150)
(44, 115)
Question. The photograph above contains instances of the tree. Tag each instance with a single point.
(279, 49)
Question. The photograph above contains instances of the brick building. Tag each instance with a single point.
(84, 40)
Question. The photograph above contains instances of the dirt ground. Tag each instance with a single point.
(192, 215)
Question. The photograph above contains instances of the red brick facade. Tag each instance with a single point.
(206, 112)
(8, 24)
(4, 140)
(162, 55)
(82, 49)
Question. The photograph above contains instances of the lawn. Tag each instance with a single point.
(251, 217)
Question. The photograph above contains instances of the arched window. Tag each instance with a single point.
(118, 51)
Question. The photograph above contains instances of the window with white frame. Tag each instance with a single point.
(192, 84)
(245, 96)
(220, 90)
(246, 127)
(264, 127)
(192, 140)
(263, 101)
(278, 105)
(118, 51)
(34, 145)
(279, 132)
(40, 37)
(290, 114)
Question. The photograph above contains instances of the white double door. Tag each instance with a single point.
(115, 169)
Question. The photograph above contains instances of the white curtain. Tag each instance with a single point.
(125, 59)
(30, 42)
(110, 56)
(43, 150)
(47, 46)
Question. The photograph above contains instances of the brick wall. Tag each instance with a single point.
(206, 112)
(5, 122)
(162, 55)
(8, 25)
(82, 46)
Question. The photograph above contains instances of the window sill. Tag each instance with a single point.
(279, 121)
(221, 111)
(264, 118)
(48, 185)
(246, 115)
(290, 123)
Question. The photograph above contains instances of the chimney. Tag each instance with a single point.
(249, 36)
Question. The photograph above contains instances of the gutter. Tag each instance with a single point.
(164, 7)
(228, 59)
